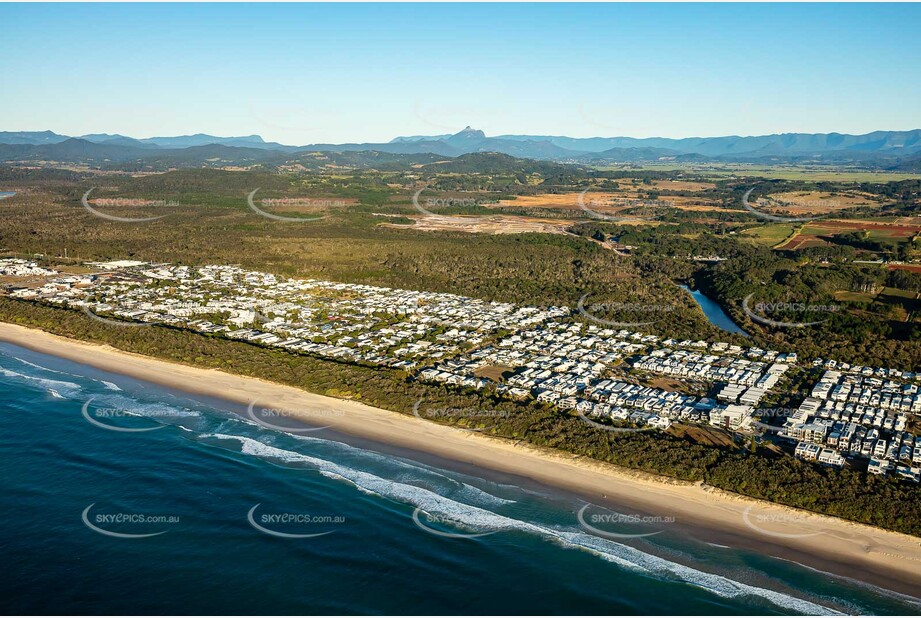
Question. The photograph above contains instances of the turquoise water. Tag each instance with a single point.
(199, 469)
(4, 194)
(714, 312)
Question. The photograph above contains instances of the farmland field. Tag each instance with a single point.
(608, 202)
(768, 235)
(812, 233)
(915, 268)
(799, 203)
(718, 171)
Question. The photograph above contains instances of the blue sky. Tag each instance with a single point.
(303, 74)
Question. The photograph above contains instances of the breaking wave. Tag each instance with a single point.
(481, 519)
(59, 388)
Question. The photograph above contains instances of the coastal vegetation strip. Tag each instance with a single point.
(745, 469)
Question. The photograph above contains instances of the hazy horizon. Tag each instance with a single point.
(307, 74)
(433, 134)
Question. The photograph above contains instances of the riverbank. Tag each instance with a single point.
(885, 559)
(714, 312)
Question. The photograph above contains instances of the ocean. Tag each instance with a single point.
(124, 497)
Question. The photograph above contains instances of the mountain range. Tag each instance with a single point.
(889, 149)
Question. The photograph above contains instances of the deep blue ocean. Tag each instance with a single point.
(206, 512)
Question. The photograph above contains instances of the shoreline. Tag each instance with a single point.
(888, 560)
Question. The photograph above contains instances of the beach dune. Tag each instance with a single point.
(886, 559)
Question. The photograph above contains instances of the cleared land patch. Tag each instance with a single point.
(768, 235)
(682, 185)
(915, 268)
(804, 203)
(500, 224)
(606, 202)
(813, 234)
(496, 373)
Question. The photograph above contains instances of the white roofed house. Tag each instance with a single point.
(735, 417)
(879, 448)
(242, 318)
(879, 466)
(549, 396)
(660, 422)
(815, 432)
(808, 451)
(909, 473)
(831, 457)
(752, 396)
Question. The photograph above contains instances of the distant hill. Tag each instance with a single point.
(119, 140)
(419, 138)
(644, 153)
(361, 159)
(910, 164)
(883, 149)
(439, 147)
(109, 153)
(793, 146)
(499, 163)
(30, 137)
(206, 154)
(71, 150)
(779, 144)
(472, 140)
(201, 139)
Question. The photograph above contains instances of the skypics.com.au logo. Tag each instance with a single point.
(122, 525)
(444, 202)
(470, 413)
(746, 204)
(777, 414)
(619, 526)
(293, 524)
(85, 306)
(642, 210)
(114, 419)
(756, 312)
(592, 310)
(300, 202)
(122, 202)
(609, 427)
(780, 522)
(441, 525)
(291, 421)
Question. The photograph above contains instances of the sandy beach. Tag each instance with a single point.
(878, 557)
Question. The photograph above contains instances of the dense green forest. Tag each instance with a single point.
(207, 221)
(865, 325)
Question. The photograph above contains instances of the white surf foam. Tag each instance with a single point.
(59, 386)
(413, 469)
(906, 598)
(133, 407)
(410, 470)
(480, 519)
(30, 364)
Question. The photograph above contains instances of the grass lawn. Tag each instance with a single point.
(768, 235)
(855, 297)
